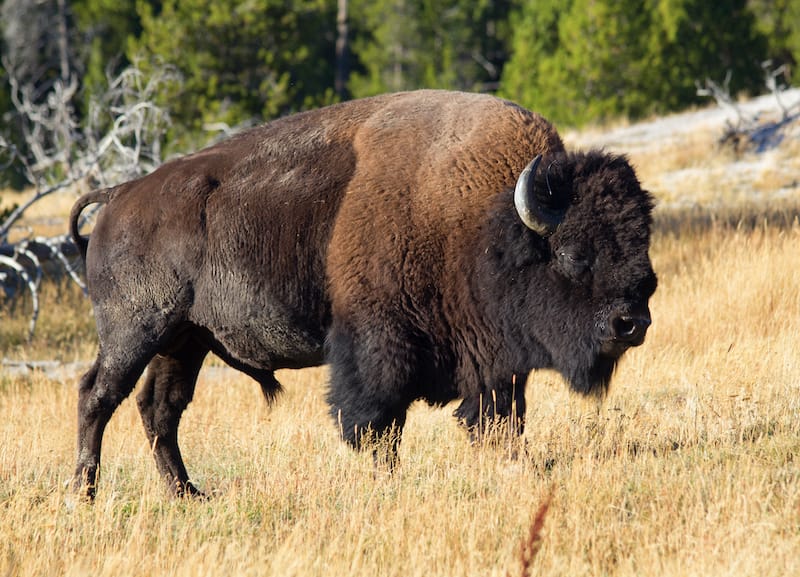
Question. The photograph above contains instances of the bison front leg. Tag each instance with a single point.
(367, 422)
(369, 393)
(496, 414)
(167, 391)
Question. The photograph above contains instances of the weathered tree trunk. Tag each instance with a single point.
(342, 64)
(63, 42)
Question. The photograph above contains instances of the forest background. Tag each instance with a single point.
(240, 62)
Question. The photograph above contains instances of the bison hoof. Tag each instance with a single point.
(77, 492)
(81, 488)
(74, 499)
(186, 490)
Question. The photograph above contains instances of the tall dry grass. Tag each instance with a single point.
(689, 467)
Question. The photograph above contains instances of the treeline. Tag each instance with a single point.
(575, 61)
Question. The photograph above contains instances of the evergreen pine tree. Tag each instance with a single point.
(588, 60)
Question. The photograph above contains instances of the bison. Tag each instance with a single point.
(427, 245)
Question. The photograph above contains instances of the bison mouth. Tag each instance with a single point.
(614, 348)
(591, 371)
(590, 367)
(587, 359)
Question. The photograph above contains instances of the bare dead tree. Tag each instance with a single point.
(342, 50)
(751, 131)
(119, 139)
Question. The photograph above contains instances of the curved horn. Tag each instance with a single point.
(536, 217)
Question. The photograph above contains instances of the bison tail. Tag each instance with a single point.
(96, 196)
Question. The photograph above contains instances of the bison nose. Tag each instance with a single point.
(629, 328)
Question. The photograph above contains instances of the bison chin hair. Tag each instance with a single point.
(592, 380)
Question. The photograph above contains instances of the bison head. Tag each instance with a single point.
(573, 267)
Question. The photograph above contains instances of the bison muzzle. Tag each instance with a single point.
(427, 245)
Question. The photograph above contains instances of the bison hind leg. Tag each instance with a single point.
(101, 390)
(167, 391)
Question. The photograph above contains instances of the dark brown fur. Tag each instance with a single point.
(377, 235)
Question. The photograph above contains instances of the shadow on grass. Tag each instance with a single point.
(781, 215)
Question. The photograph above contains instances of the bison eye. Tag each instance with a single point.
(573, 262)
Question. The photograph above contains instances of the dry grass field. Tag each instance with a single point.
(690, 466)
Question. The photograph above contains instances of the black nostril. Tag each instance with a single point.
(629, 328)
(624, 327)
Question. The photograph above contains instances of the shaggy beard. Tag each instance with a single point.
(594, 378)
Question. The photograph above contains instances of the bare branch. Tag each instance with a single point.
(751, 131)
(56, 246)
(119, 139)
(12, 263)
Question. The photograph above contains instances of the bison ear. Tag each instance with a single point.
(535, 214)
